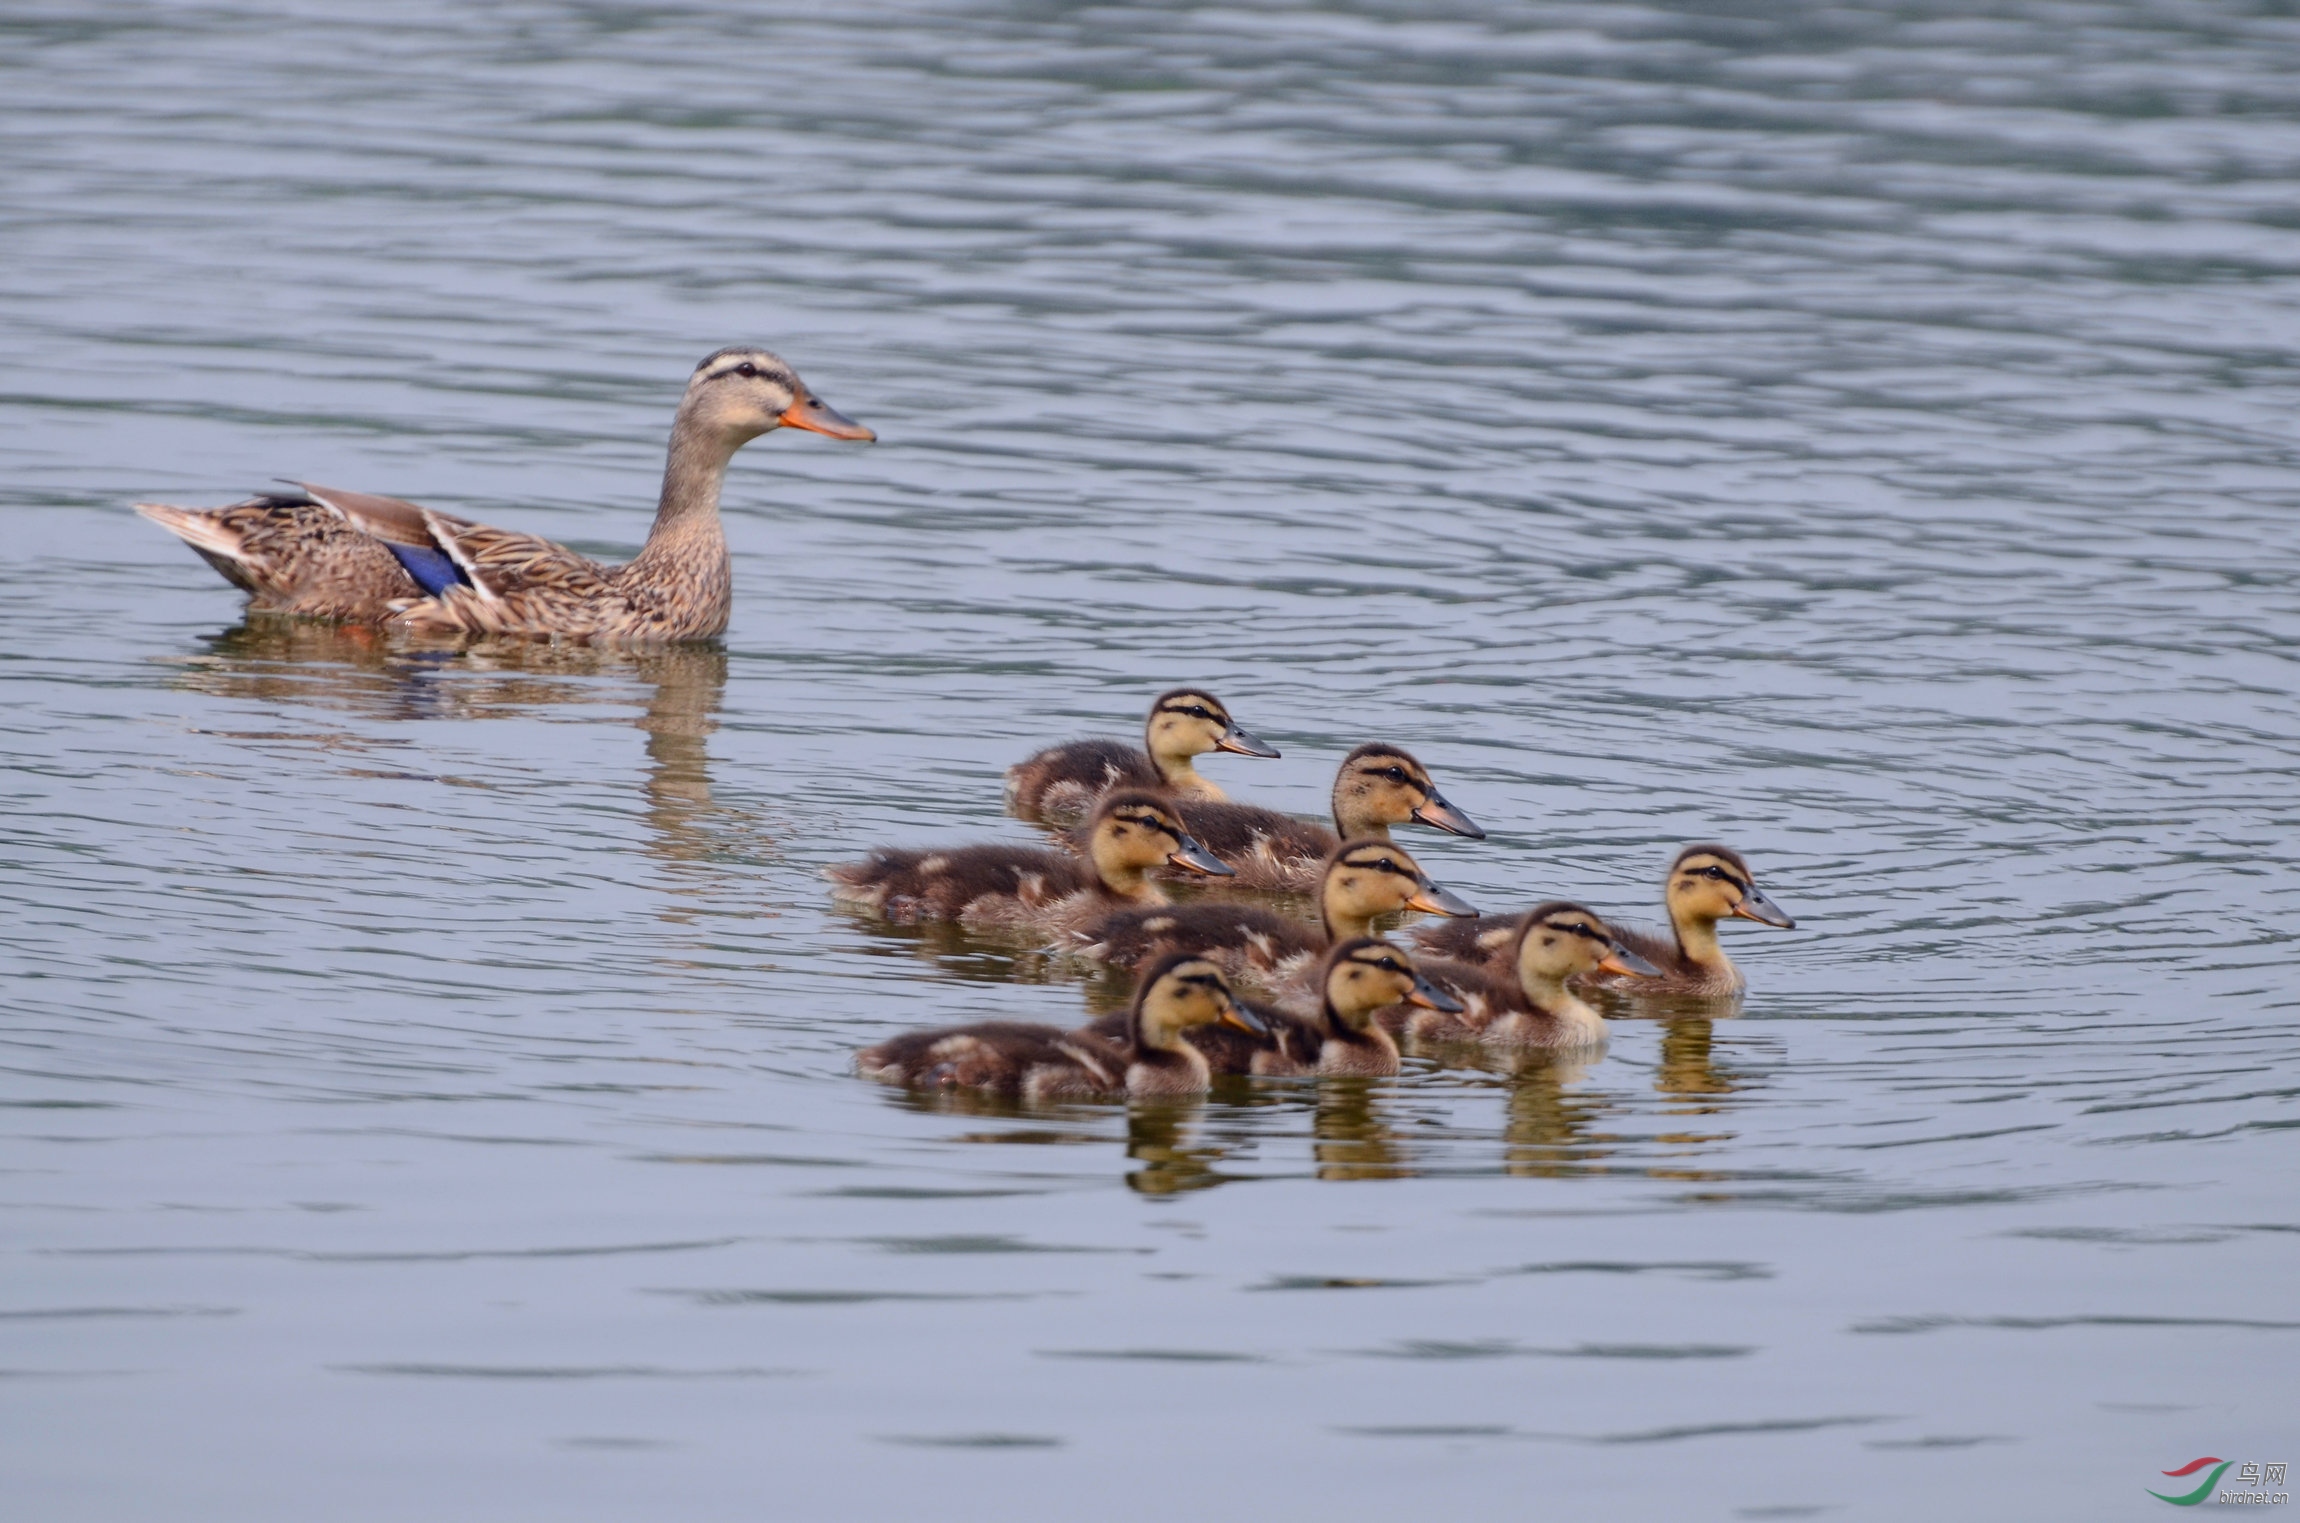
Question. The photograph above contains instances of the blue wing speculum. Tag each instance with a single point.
(434, 571)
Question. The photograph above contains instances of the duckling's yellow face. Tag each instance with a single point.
(1706, 885)
(1187, 724)
(1135, 832)
(1563, 940)
(1373, 975)
(739, 394)
(1381, 788)
(1369, 878)
(1189, 993)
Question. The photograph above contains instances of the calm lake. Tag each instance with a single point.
(1863, 435)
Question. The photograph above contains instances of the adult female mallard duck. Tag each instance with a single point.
(1362, 881)
(1706, 884)
(1529, 1005)
(1340, 1036)
(1146, 1058)
(1061, 783)
(1377, 786)
(357, 558)
(1130, 834)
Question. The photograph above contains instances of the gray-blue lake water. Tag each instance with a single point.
(1862, 434)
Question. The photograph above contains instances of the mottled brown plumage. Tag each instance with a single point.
(1061, 783)
(330, 553)
(292, 556)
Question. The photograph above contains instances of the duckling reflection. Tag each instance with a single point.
(369, 675)
(1550, 1129)
(1689, 1070)
(976, 954)
(1351, 1135)
(1161, 1136)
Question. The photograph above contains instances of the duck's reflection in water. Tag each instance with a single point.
(1351, 1136)
(1163, 1137)
(1550, 1128)
(984, 955)
(1689, 1071)
(370, 675)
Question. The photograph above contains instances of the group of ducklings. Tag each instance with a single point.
(1338, 998)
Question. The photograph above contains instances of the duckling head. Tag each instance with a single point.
(1712, 883)
(1366, 974)
(1189, 722)
(1557, 940)
(1183, 990)
(1381, 785)
(1133, 832)
(1364, 879)
(740, 393)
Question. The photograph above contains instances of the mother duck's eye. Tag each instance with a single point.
(747, 369)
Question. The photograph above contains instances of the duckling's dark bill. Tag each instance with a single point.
(1191, 857)
(1430, 997)
(1434, 900)
(815, 415)
(1622, 960)
(1436, 813)
(1755, 906)
(1245, 1020)
(1235, 739)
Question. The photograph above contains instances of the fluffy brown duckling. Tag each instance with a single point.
(1131, 834)
(1378, 786)
(1706, 884)
(1529, 1006)
(1062, 782)
(1339, 1037)
(1147, 1056)
(1362, 881)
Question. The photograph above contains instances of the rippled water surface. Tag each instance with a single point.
(1864, 435)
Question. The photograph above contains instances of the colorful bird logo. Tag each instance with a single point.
(2201, 1492)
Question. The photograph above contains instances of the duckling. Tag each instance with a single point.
(1149, 1058)
(1377, 786)
(996, 885)
(1530, 1007)
(1340, 1037)
(1706, 884)
(1362, 881)
(358, 558)
(1061, 783)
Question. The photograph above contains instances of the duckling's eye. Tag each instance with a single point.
(1394, 774)
(747, 370)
